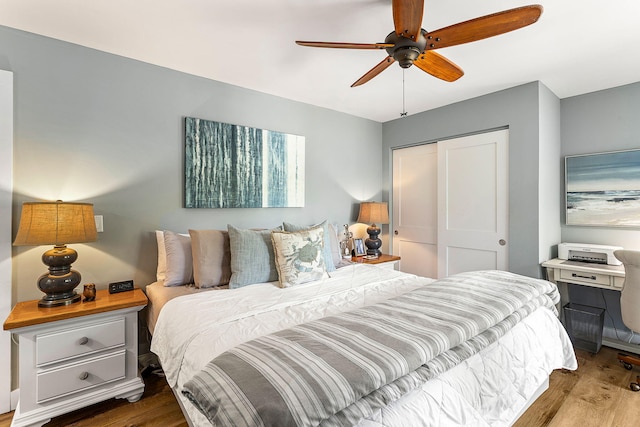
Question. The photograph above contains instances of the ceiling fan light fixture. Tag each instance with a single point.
(406, 56)
(405, 50)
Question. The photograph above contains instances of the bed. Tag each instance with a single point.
(473, 349)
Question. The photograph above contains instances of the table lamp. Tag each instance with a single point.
(57, 223)
(372, 213)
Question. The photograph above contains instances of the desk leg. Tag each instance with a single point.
(563, 289)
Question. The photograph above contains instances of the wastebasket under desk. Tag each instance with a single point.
(584, 325)
(615, 273)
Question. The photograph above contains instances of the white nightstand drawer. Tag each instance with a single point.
(587, 278)
(390, 265)
(60, 345)
(71, 378)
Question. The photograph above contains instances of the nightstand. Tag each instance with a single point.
(76, 355)
(384, 260)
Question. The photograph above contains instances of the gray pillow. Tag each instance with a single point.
(326, 249)
(252, 257)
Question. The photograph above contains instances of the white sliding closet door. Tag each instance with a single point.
(472, 203)
(415, 211)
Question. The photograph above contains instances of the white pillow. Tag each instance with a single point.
(161, 271)
(179, 261)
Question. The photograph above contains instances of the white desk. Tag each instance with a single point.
(610, 277)
(582, 273)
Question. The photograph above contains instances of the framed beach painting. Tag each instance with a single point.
(233, 166)
(603, 189)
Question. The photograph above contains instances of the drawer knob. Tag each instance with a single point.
(83, 341)
(84, 375)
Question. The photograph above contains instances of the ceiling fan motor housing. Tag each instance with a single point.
(405, 50)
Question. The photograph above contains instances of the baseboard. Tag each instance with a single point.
(621, 345)
(15, 397)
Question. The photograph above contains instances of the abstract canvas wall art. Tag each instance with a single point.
(232, 166)
(603, 189)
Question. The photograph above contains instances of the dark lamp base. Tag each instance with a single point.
(373, 243)
(59, 283)
(51, 301)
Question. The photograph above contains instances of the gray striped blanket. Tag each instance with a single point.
(337, 370)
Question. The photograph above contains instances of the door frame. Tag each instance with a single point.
(6, 196)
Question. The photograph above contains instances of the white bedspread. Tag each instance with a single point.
(193, 329)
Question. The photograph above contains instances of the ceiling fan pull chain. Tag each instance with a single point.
(404, 110)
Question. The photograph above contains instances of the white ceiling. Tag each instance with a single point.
(577, 46)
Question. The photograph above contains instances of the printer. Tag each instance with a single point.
(585, 252)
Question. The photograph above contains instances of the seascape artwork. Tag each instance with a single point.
(603, 189)
(232, 166)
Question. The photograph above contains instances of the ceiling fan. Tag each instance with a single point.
(410, 44)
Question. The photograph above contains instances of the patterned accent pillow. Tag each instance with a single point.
(299, 256)
(252, 258)
(326, 249)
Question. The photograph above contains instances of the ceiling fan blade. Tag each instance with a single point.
(483, 27)
(407, 17)
(438, 66)
(345, 45)
(374, 71)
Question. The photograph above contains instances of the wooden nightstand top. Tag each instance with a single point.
(27, 313)
(381, 259)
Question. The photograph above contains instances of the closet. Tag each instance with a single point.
(450, 205)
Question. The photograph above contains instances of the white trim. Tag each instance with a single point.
(621, 345)
(6, 195)
(15, 397)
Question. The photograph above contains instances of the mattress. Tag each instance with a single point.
(159, 295)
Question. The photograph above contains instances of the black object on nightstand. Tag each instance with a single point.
(124, 286)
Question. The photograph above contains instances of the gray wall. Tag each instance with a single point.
(549, 175)
(530, 112)
(593, 123)
(100, 128)
(598, 122)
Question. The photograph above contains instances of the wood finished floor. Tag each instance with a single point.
(597, 395)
